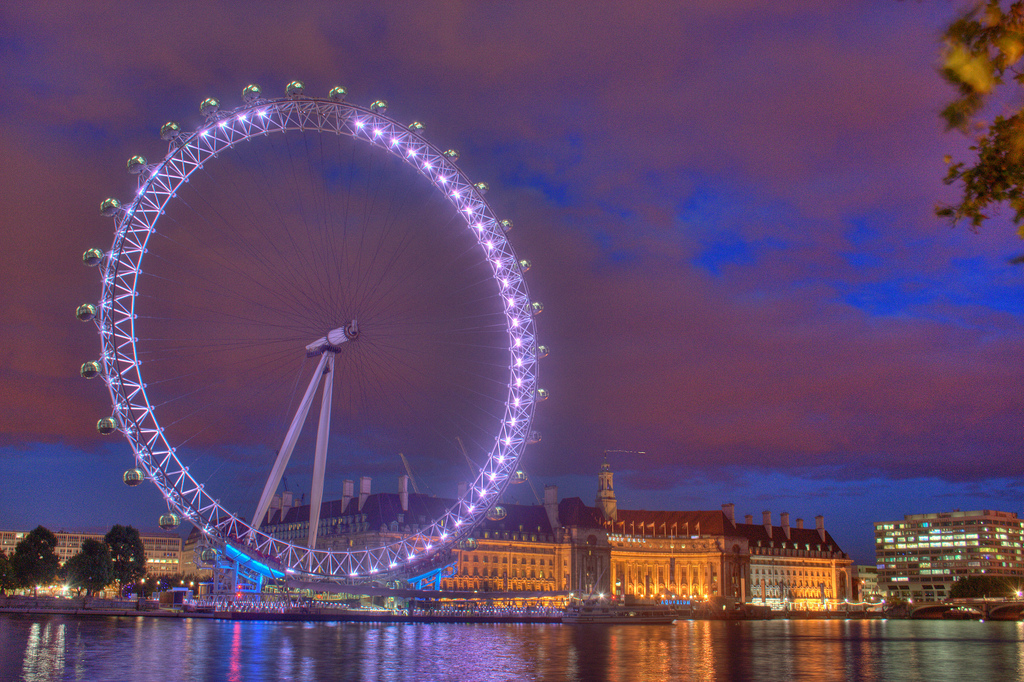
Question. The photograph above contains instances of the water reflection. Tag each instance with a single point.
(40, 648)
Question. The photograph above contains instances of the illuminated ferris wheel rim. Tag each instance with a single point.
(134, 415)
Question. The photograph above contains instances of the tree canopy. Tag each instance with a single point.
(35, 558)
(91, 569)
(983, 60)
(127, 552)
(979, 586)
(158, 583)
(7, 580)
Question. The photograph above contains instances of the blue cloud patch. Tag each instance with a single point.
(733, 250)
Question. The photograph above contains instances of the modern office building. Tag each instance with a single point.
(922, 556)
(163, 550)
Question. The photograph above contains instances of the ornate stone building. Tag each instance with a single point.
(565, 546)
(707, 554)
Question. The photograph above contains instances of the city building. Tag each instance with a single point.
(866, 584)
(565, 546)
(190, 560)
(163, 551)
(922, 556)
(708, 554)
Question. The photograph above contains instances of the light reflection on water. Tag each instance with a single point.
(39, 648)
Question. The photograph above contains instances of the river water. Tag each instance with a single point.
(40, 647)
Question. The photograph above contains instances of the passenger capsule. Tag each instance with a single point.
(525, 265)
(251, 93)
(86, 312)
(106, 426)
(482, 187)
(207, 555)
(538, 307)
(542, 394)
(136, 164)
(497, 513)
(169, 521)
(451, 154)
(90, 370)
(379, 106)
(417, 127)
(169, 131)
(506, 226)
(209, 106)
(92, 257)
(294, 89)
(134, 477)
(110, 207)
(542, 352)
(338, 93)
(469, 544)
(533, 438)
(519, 477)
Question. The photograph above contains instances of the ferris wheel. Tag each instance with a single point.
(331, 281)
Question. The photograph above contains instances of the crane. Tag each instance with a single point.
(472, 467)
(408, 470)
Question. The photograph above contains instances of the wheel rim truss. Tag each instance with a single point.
(135, 223)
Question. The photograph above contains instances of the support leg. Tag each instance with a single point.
(320, 459)
(289, 443)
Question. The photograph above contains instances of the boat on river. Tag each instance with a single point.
(594, 611)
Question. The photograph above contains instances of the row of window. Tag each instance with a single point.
(515, 560)
(483, 572)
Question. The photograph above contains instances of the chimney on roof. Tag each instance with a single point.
(729, 509)
(551, 505)
(785, 523)
(819, 520)
(799, 523)
(463, 489)
(403, 492)
(364, 490)
(347, 491)
(749, 519)
(275, 503)
(766, 517)
(286, 502)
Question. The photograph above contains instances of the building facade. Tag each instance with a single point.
(866, 585)
(707, 554)
(163, 551)
(565, 546)
(922, 556)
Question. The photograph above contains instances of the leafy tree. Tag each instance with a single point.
(127, 553)
(159, 583)
(982, 59)
(979, 586)
(91, 569)
(35, 559)
(7, 579)
(166, 582)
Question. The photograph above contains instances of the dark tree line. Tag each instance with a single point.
(120, 557)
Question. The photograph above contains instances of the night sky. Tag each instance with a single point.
(728, 207)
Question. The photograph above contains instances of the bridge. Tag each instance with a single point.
(981, 609)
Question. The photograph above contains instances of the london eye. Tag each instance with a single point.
(296, 248)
